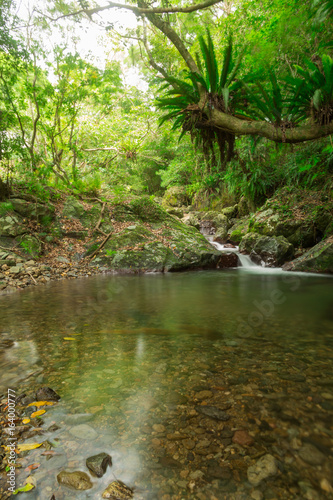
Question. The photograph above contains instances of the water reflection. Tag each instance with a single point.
(145, 347)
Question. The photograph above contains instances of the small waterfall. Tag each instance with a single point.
(244, 260)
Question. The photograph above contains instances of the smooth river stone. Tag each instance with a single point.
(47, 394)
(264, 468)
(77, 480)
(98, 464)
(213, 412)
(83, 431)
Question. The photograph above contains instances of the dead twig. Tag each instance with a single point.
(33, 279)
(101, 246)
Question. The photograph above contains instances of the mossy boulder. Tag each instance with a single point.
(230, 212)
(191, 219)
(238, 230)
(154, 241)
(42, 212)
(248, 242)
(318, 259)
(73, 209)
(175, 196)
(11, 225)
(212, 222)
(243, 207)
(272, 250)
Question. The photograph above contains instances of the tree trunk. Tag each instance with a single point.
(4, 190)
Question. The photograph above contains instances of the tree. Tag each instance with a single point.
(208, 116)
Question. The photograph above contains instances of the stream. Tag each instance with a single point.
(148, 352)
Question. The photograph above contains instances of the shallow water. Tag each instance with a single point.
(143, 350)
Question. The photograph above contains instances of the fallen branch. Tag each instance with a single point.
(101, 246)
(9, 250)
(33, 279)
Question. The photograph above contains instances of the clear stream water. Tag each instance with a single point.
(144, 349)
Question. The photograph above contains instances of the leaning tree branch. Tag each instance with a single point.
(237, 126)
(137, 10)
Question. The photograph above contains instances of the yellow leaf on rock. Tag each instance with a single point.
(26, 447)
(37, 413)
(41, 403)
(25, 420)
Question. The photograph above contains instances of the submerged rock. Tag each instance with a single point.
(78, 480)
(264, 468)
(117, 490)
(318, 259)
(84, 431)
(98, 464)
(213, 412)
(47, 394)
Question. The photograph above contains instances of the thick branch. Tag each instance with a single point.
(140, 10)
(172, 36)
(264, 129)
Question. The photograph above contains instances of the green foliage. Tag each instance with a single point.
(5, 207)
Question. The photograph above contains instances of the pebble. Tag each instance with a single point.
(78, 480)
(311, 455)
(189, 444)
(204, 395)
(264, 468)
(243, 438)
(158, 428)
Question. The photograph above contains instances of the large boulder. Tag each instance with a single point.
(215, 223)
(147, 238)
(191, 219)
(248, 242)
(11, 225)
(238, 230)
(88, 215)
(175, 196)
(318, 259)
(272, 250)
(43, 212)
(230, 212)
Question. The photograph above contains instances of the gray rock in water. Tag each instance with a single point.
(77, 480)
(47, 394)
(78, 418)
(311, 455)
(213, 412)
(98, 464)
(84, 431)
(264, 468)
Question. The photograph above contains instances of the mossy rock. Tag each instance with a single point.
(272, 250)
(11, 225)
(318, 259)
(191, 220)
(42, 212)
(175, 247)
(73, 209)
(238, 230)
(138, 208)
(175, 196)
(230, 212)
(248, 242)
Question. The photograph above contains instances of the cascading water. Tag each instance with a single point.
(244, 260)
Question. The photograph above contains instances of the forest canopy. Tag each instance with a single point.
(239, 82)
